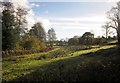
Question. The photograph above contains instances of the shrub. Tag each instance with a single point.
(23, 52)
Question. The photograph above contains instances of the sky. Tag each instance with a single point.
(68, 18)
(73, 18)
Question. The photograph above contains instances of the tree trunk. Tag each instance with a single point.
(118, 35)
(118, 29)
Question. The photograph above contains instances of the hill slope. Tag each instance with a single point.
(93, 64)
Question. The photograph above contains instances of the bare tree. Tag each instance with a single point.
(107, 30)
(114, 19)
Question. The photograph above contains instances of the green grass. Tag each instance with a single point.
(16, 66)
(78, 65)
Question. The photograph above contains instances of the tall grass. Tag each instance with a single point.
(64, 65)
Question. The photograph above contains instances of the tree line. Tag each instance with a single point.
(88, 39)
(15, 34)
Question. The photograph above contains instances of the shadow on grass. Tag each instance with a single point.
(102, 66)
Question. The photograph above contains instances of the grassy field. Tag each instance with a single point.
(73, 63)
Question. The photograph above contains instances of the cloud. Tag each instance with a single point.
(46, 23)
(35, 5)
(30, 19)
(78, 23)
(81, 19)
(113, 0)
(21, 3)
(81, 26)
(30, 16)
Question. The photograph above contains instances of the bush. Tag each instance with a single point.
(23, 52)
(32, 43)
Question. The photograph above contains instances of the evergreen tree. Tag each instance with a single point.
(9, 32)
